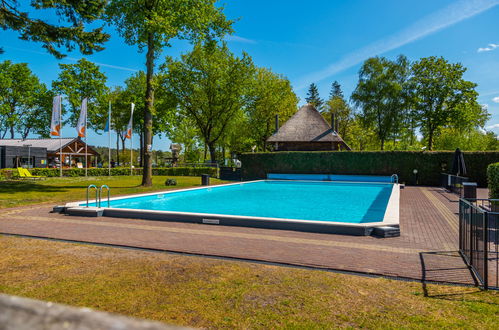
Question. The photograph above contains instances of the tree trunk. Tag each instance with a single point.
(141, 163)
(430, 140)
(213, 152)
(147, 170)
(11, 132)
(382, 144)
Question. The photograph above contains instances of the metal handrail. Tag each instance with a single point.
(395, 178)
(105, 186)
(96, 193)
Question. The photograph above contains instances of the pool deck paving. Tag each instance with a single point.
(426, 249)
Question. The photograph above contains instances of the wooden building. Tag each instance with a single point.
(307, 130)
(45, 153)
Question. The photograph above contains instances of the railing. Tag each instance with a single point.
(453, 183)
(105, 186)
(96, 193)
(479, 239)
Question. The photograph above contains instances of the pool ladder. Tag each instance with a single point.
(98, 194)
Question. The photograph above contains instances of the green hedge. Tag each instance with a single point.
(117, 171)
(493, 180)
(428, 163)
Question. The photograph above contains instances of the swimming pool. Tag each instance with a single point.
(339, 207)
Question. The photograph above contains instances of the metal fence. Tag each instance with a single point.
(479, 239)
(452, 182)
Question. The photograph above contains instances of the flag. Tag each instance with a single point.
(82, 121)
(128, 134)
(108, 122)
(55, 124)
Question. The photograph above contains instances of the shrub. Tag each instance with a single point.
(493, 180)
(117, 171)
(170, 182)
(429, 164)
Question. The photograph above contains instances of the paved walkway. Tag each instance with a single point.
(426, 249)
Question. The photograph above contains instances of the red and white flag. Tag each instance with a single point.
(55, 124)
(82, 121)
(128, 134)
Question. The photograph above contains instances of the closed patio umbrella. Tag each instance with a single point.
(458, 165)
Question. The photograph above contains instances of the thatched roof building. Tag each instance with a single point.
(307, 130)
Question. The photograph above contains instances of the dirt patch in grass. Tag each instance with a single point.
(213, 293)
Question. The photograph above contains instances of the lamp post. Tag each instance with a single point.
(415, 171)
(29, 154)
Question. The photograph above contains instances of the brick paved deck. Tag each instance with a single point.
(426, 249)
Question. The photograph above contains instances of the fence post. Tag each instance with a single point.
(486, 250)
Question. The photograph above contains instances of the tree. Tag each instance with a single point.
(472, 139)
(313, 97)
(71, 34)
(381, 93)
(21, 97)
(209, 84)
(442, 97)
(84, 80)
(152, 24)
(336, 90)
(338, 107)
(269, 95)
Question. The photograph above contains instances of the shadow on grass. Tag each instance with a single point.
(25, 186)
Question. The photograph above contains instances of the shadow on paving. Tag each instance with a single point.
(444, 266)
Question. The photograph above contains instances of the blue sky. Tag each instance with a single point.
(321, 41)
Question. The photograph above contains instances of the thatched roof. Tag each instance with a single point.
(306, 125)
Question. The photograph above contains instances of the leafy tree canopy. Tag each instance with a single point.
(23, 100)
(209, 85)
(442, 97)
(73, 14)
(84, 80)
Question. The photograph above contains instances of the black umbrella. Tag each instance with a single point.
(458, 165)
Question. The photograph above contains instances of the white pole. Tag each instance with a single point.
(131, 146)
(86, 133)
(109, 136)
(60, 135)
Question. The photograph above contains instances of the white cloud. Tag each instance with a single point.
(495, 99)
(488, 49)
(239, 39)
(452, 14)
(491, 127)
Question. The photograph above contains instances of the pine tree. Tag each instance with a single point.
(335, 90)
(313, 97)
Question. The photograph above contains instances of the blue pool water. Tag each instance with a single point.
(321, 201)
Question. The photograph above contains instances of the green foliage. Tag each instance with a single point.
(123, 171)
(471, 139)
(493, 180)
(381, 94)
(84, 80)
(74, 15)
(209, 84)
(442, 98)
(402, 163)
(152, 24)
(269, 95)
(170, 182)
(313, 97)
(338, 107)
(23, 101)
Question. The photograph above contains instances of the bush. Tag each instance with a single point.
(493, 180)
(429, 164)
(117, 171)
(170, 182)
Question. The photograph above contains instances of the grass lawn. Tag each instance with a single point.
(62, 190)
(214, 293)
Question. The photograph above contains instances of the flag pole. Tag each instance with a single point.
(131, 143)
(86, 133)
(109, 140)
(60, 135)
